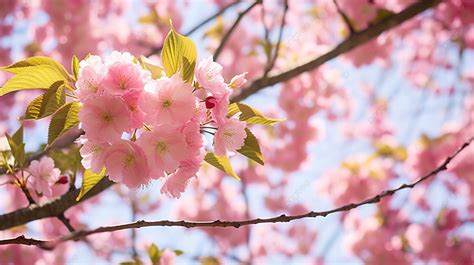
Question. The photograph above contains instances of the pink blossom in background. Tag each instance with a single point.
(43, 175)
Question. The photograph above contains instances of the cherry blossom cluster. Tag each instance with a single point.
(142, 129)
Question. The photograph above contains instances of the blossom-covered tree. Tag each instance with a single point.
(246, 132)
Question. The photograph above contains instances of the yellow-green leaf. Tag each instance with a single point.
(89, 180)
(47, 103)
(75, 66)
(250, 115)
(155, 70)
(175, 48)
(63, 120)
(222, 163)
(251, 148)
(188, 70)
(154, 253)
(17, 146)
(36, 77)
(24, 65)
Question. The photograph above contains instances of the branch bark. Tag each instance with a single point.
(236, 224)
(50, 209)
(350, 43)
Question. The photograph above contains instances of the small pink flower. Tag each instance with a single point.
(176, 183)
(88, 83)
(168, 101)
(91, 74)
(219, 112)
(238, 81)
(209, 75)
(43, 175)
(122, 78)
(137, 115)
(104, 118)
(92, 154)
(165, 147)
(126, 162)
(229, 137)
(168, 257)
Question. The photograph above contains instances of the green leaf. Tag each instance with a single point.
(154, 253)
(177, 47)
(17, 147)
(63, 120)
(24, 65)
(188, 70)
(250, 115)
(155, 70)
(89, 180)
(75, 66)
(178, 252)
(382, 13)
(47, 103)
(209, 260)
(251, 148)
(222, 163)
(36, 77)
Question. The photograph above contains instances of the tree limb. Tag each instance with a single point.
(51, 209)
(232, 28)
(350, 43)
(236, 224)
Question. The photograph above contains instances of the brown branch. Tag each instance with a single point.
(346, 19)
(272, 61)
(350, 43)
(51, 209)
(198, 26)
(232, 28)
(218, 223)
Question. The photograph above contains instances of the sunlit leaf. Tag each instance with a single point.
(175, 48)
(154, 253)
(75, 66)
(221, 163)
(155, 70)
(63, 120)
(250, 115)
(209, 260)
(89, 180)
(36, 77)
(17, 147)
(26, 64)
(47, 103)
(251, 148)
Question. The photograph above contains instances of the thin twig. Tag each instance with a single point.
(346, 19)
(273, 58)
(350, 43)
(232, 28)
(236, 224)
(198, 26)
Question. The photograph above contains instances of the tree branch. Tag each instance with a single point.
(50, 209)
(198, 26)
(273, 59)
(218, 223)
(232, 28)
(350, 43)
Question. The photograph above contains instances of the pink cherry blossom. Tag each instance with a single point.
(126, 162)
(238, 81)
(168, 101)
(209, 75)
(43, 175)
(122, 78)
(104, 118)
(92, 154)
(229, 137)
(165, 147)
(91, 74)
